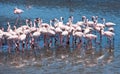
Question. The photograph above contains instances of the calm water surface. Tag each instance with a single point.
(61, 60)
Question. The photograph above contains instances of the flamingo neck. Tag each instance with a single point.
(102, 32)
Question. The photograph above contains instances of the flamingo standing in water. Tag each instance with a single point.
(18, 12)
(36, 35)
(90, 37)
(108, 24)
(108, 34)
(22, 38)
(77, 34)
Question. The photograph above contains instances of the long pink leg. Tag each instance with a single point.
(60, 39)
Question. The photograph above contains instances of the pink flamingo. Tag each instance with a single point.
(22, 38)
(109, 35)
(36, 35)
(109, 24)
(58, 30)
(90, 37)
(18, 12)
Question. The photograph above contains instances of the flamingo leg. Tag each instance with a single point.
(23, 46)
(9, 47)
(90, 44)
(0, 45)
(45, 36)
(16, 22)
(17, 47)
(60, 39)
(113, 42)
(67, 40)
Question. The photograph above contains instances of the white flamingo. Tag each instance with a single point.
(65, 33)
(90, 37)
(58, 30)
(77, 34)
(109, 24)
(109, 35)
(22, 38)
(36, 35)
(44, 31)
(18, 12)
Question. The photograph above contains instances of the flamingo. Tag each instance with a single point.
(36, 35)
(77, 34)
(109, 24)
(11, 36)
(90, 37)
(109, 35)
(13, 39)
(10, 39)
(18, 12)
(51, 32)
(22, 38)
(58, 30)
(44, 31)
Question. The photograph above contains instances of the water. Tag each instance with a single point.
(61, 60)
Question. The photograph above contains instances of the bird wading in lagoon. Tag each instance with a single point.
(18, 12)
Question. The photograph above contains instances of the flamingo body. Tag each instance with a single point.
(18, 11)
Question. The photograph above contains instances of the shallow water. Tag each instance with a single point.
(61, 60)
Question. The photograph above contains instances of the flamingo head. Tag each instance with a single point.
(93, 18)
(37, 19)
(103, 19)
(96, 17)
(83, 18)
(15, 8)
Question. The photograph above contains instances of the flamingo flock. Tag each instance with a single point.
(87, 32)
(56, 31)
